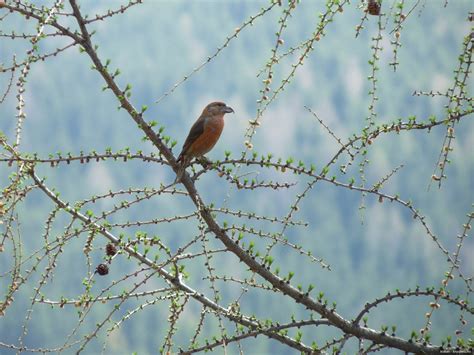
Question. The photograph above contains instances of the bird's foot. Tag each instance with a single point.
(206, 163)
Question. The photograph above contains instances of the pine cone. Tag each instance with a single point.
(373, 7)
(110, 249)
(102, 269)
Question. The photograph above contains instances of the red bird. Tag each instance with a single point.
(204, 134)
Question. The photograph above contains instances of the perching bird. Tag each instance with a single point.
(204, 134)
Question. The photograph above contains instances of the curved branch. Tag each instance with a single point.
(429, 292)
(255, 333)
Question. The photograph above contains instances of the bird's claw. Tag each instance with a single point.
(206, 163)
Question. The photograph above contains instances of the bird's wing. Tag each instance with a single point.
(196, 130)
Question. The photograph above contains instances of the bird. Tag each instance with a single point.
(203, 135)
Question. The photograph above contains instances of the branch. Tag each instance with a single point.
(255, 333)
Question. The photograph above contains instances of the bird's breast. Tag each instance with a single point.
(213, 127)
(215, 123)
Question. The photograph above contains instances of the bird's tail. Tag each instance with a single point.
(182, 164)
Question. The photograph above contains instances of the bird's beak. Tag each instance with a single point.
(228, 109)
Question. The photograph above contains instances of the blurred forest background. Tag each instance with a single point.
(372, 247)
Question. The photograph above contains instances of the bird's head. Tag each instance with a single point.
(217, 108)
